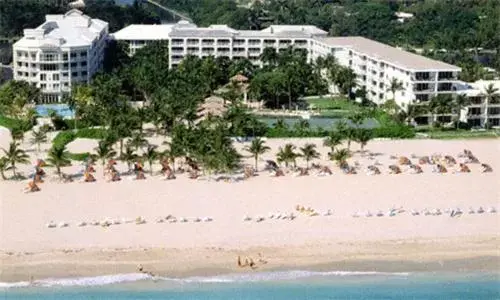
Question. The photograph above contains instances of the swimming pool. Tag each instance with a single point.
(62, 110)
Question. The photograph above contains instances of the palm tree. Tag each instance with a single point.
(345, 79)
(17, 133)
(309, 153)
(394, 86)
(363, 136)
(441, 104)
(104, 152)
(333, 139)
(15, 156)
(4, 165)
(59, 157)
(174, 151)
(269, 56)
(129, 156)
(287, 154)
(137, 141)
(256, 148)
(490, 93)
(150, 155)
(461, 101)
(357, 119)
(38, 137)
(340, 156)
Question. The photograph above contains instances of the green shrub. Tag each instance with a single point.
(63, 138)
(395, 131)
(15, 123)
(79, 156)
(66, 137)
(92, 133)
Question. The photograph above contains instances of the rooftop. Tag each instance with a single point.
(144, 32)
(478, 88)
(186, 29)
(73, 29)
(389, 54)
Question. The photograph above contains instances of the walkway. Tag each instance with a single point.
(171, 11)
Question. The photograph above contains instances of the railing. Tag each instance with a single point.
(419, 78)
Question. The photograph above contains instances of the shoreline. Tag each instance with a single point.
(464, 254)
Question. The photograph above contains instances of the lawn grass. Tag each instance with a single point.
(463, 134)
(332, 103)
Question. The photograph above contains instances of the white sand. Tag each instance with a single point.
(24, 216)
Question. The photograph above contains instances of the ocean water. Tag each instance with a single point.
(271, 285)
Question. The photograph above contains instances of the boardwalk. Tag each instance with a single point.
(171, 11)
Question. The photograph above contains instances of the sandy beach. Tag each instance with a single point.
(338, 241)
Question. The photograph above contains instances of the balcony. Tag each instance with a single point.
(447, 76)
(445, 87)
(239, 42)
(474, 101)
(495, 111)
(423, 89)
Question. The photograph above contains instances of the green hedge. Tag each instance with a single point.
(66, 137)
(79, 156)
(394, 132)
(14, 123)
(63, 138)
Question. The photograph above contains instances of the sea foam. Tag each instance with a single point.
(229, 278)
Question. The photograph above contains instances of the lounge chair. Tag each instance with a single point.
(393, 169)
(486, 168)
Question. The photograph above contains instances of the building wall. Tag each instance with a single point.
(56, 70)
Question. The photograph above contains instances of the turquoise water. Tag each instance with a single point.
(62, 110)
(314, 122)
(282, 285)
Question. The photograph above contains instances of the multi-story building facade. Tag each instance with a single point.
(482, 110)
(65, 50)
(374, 63)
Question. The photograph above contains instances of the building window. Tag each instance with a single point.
(73, 65)
(84, 73)
(19, 73)
(19, 64)
(65, 65)
(74, 74)
(43, 77)
(83, 54)
(73, 55)
(65, 56)
(66, 84)
(83, 64)
(43, 86)
(56, 86)
(55, 77)
(65, 74)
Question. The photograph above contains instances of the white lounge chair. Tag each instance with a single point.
(51, 224)
(62, 225)
(247, 218)
(81, 224)
(492, 210)
(480, 210)
(207, 219)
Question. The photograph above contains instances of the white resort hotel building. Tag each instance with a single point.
(375, 64)
(65, 50)
(69, 49)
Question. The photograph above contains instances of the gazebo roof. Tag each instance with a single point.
(239, 78)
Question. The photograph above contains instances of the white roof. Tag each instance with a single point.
(73, 29)
(389, 54)
(307, 29)
(479, 87)
(144, 32)
(184, 29)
